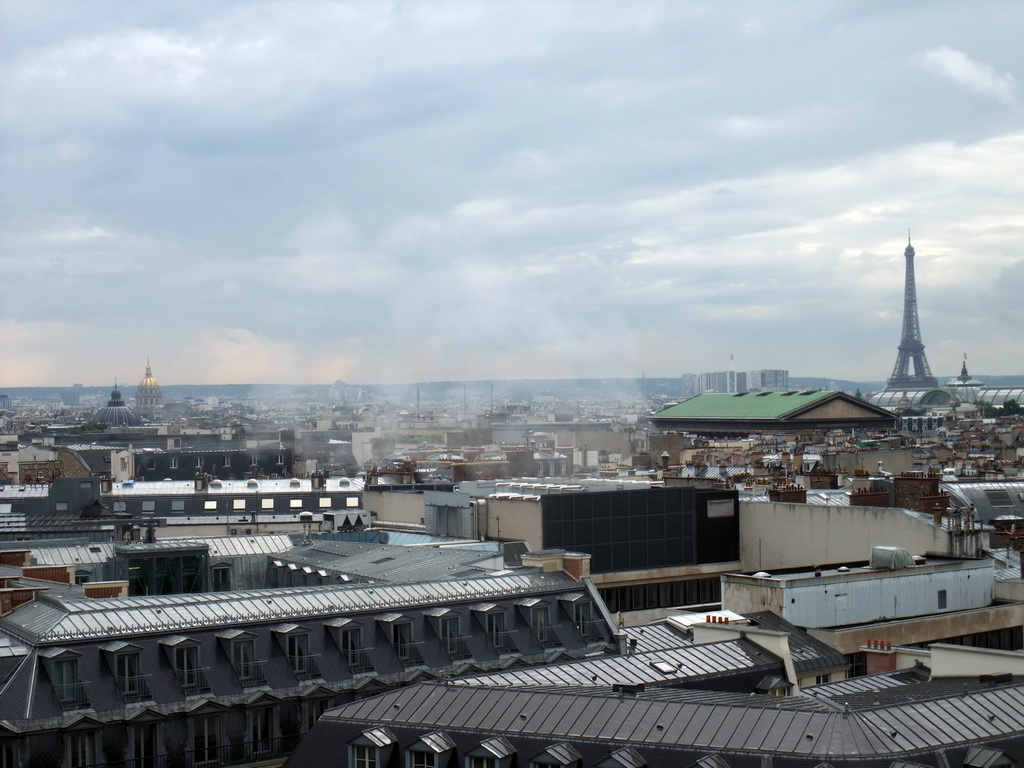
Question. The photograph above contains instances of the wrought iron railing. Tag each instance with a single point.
(134, 687)
(547, 636)
(592, 631)
(193, 680)
(502, 641)
(358, 660)
(305, 666)
(72, 695)
(457, 648)
(250, 672)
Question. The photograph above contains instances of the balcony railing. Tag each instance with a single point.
(592, 631)
(134, 687)
(193, 680)
(409, 654)
(547, 636)
(250, 672)
(305, 667)
(358, 660)
(502, 641)
(215, 756)
(72, 695)
(457, 648)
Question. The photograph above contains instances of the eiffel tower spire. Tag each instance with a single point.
(911, 349)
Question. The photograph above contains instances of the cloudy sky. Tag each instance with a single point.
(410, 191)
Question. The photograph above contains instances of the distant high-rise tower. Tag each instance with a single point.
(911, 349)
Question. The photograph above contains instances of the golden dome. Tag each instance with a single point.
(149, 380)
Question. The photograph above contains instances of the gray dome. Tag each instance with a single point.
(117, 414)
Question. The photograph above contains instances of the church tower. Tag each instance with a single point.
(911, 349)
(148, 396)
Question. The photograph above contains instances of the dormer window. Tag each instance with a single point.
(538, 614)
(496, 626)
(561, 755)
(399, 631)
(372, 748)
(493, 753)
(448, 626)
(581, 609)
(348, 635)
(240, 647)
(126, 662)
(62, 668)
(185, 660)
(431, 751)
(295, 641)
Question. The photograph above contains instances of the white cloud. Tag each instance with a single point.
(957, 67)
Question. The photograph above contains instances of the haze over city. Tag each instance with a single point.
(380, 192)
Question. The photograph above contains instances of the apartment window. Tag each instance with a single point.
(174, 462)
(324, 502)
(206, 739)
(124, 464)
(261, 730)
(81, 748)
(142, 745)
(297, 648)
(149, 506)
(220, 578)
(540, 623)
(61, 506)
(199, 462)
(942, 599)
(191, 676)
(822, 679)
(311, 712)
(352, 501)
(266, 503)
(132, 683)
(8, 754)
(493, 753)
(225, 461)
(401, 639)
(151, 463)
(364, 756)
(431, 751)
(253, 461)
(295, 503)
(210, 506)
(280, 459)
(496, 627)
(69, 689)
(372, 748)
(238, 504)
(561, 755)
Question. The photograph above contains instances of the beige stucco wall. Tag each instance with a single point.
(923, 629)
(778, 535)
(515, 520)
(394, 507)
(962, 661)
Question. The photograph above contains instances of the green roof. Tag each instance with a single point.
(749, 405)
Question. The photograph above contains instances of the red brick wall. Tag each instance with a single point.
(55, 573)
(104, 590)
(15, 557)
(12, 598)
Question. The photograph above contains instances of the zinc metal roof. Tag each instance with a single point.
(654, 667)
(901, 729)
(233, 487)
(51, 619)
(749, 405)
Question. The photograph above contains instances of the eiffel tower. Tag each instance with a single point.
(911, 349)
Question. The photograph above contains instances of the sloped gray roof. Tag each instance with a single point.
(903, 730)
(652, 668)
(49, 619)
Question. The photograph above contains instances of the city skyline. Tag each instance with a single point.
(378, 193)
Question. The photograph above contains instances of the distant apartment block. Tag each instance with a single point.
(766, 380)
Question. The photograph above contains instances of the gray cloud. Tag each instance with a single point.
(448, 189)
